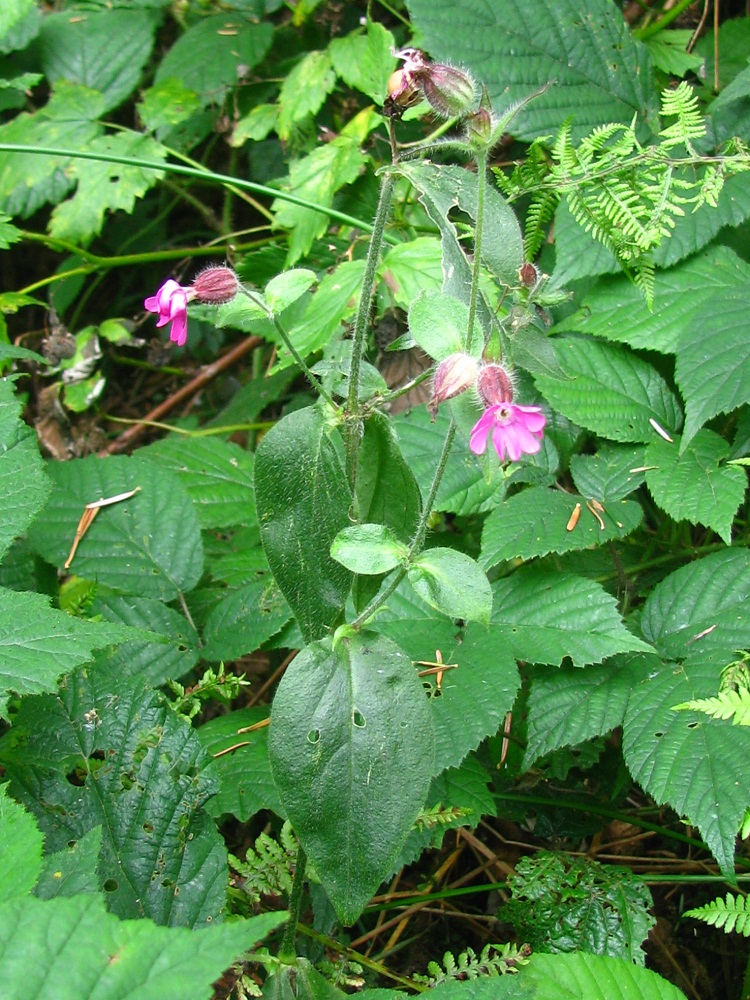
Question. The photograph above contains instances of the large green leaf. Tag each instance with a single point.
(703, 605)
(610, 391)
(103, 754)
(245, 781)
(713, 356)
(149, 544)
(74, 948)
(39, 643)
(535, 522)
(106, 187)
(690, 482)
(475, 695)
(68, 120)
(599, 73)
(171, 653)
(546, 618)
(73, 869)
(21, 857)
(695, 764)
(244, 620)
(351, 752)
(303, 502)
(22, 480)
(568, 706)
(613, 473)
(207, 58)
(617, 310)
(594, 977)
(105, 50)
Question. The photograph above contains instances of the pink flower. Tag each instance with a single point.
(170, 302)
(516, 430)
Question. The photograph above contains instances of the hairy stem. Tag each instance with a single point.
(288, 949)
(478, 232)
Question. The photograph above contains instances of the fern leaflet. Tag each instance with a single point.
(732, 914)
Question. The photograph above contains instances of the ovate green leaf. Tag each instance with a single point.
(453, 583)
(368, 548)
(350, 727)
(594, 977)
(303, 502)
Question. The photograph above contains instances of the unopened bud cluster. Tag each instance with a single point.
(449, 91)
(458, 372)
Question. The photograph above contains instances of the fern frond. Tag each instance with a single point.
(268, 869)
(645, 279)
(732, 914)
(681, 103)
(540, 212)
(494, 960)
(733, 705)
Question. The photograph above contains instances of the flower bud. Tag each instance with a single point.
(448, 91)
(529, 275)
(494, 385)
(216, 285)
(479, 127)
(453, 376)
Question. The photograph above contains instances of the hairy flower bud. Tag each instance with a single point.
(453, 376)
(479, 127)
(529, 275)
(448, 91)
(216, 285)
(494, 385)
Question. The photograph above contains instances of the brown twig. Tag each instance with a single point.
(128, 437)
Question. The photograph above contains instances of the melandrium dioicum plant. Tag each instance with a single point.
(511, 583)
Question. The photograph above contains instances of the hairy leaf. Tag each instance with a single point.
(594, 977)
(350, 727)
(453, 583)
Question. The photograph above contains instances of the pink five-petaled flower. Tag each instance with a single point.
(516, 430)
(170, 302)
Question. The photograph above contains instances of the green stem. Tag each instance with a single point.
(300, 361)
(419, 535)
(657, 26)
(353, 411)
(288, 950)
(478, 233)
(201, 174)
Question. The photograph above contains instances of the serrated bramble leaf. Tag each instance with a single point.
(287, 287)
(613, 473)
(600, 72)
(243, 620)
(475, 694)
(104, 754)
(21, 857)
(536, 521)
(704, 603)
(73, 869)
(304, 89)
(713, 356)
(546, 618)
(594, 977)
(365, 61)
(711, 786)
(128, 957)
(22, 480)
(40, 643)
(106, 50)
(568, 706)
(207, 57)
(149, 544)
(610, 390)
(690, 483)
(453, 583)
(351, 727)
(218, 477)
(245, 781)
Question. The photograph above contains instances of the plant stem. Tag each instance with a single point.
(288, 951)
(418, 540)
(657, 26)
(353, 412)
(478, 232)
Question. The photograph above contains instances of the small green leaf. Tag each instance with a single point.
(365, 61)
(453, 583)
(351, 727)
(287, 287)
(21, 856)
(693, 485)
(368, 549)
(439, 324)
(303, 502)
(410, 268)
(610, 391)
(304, 89)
